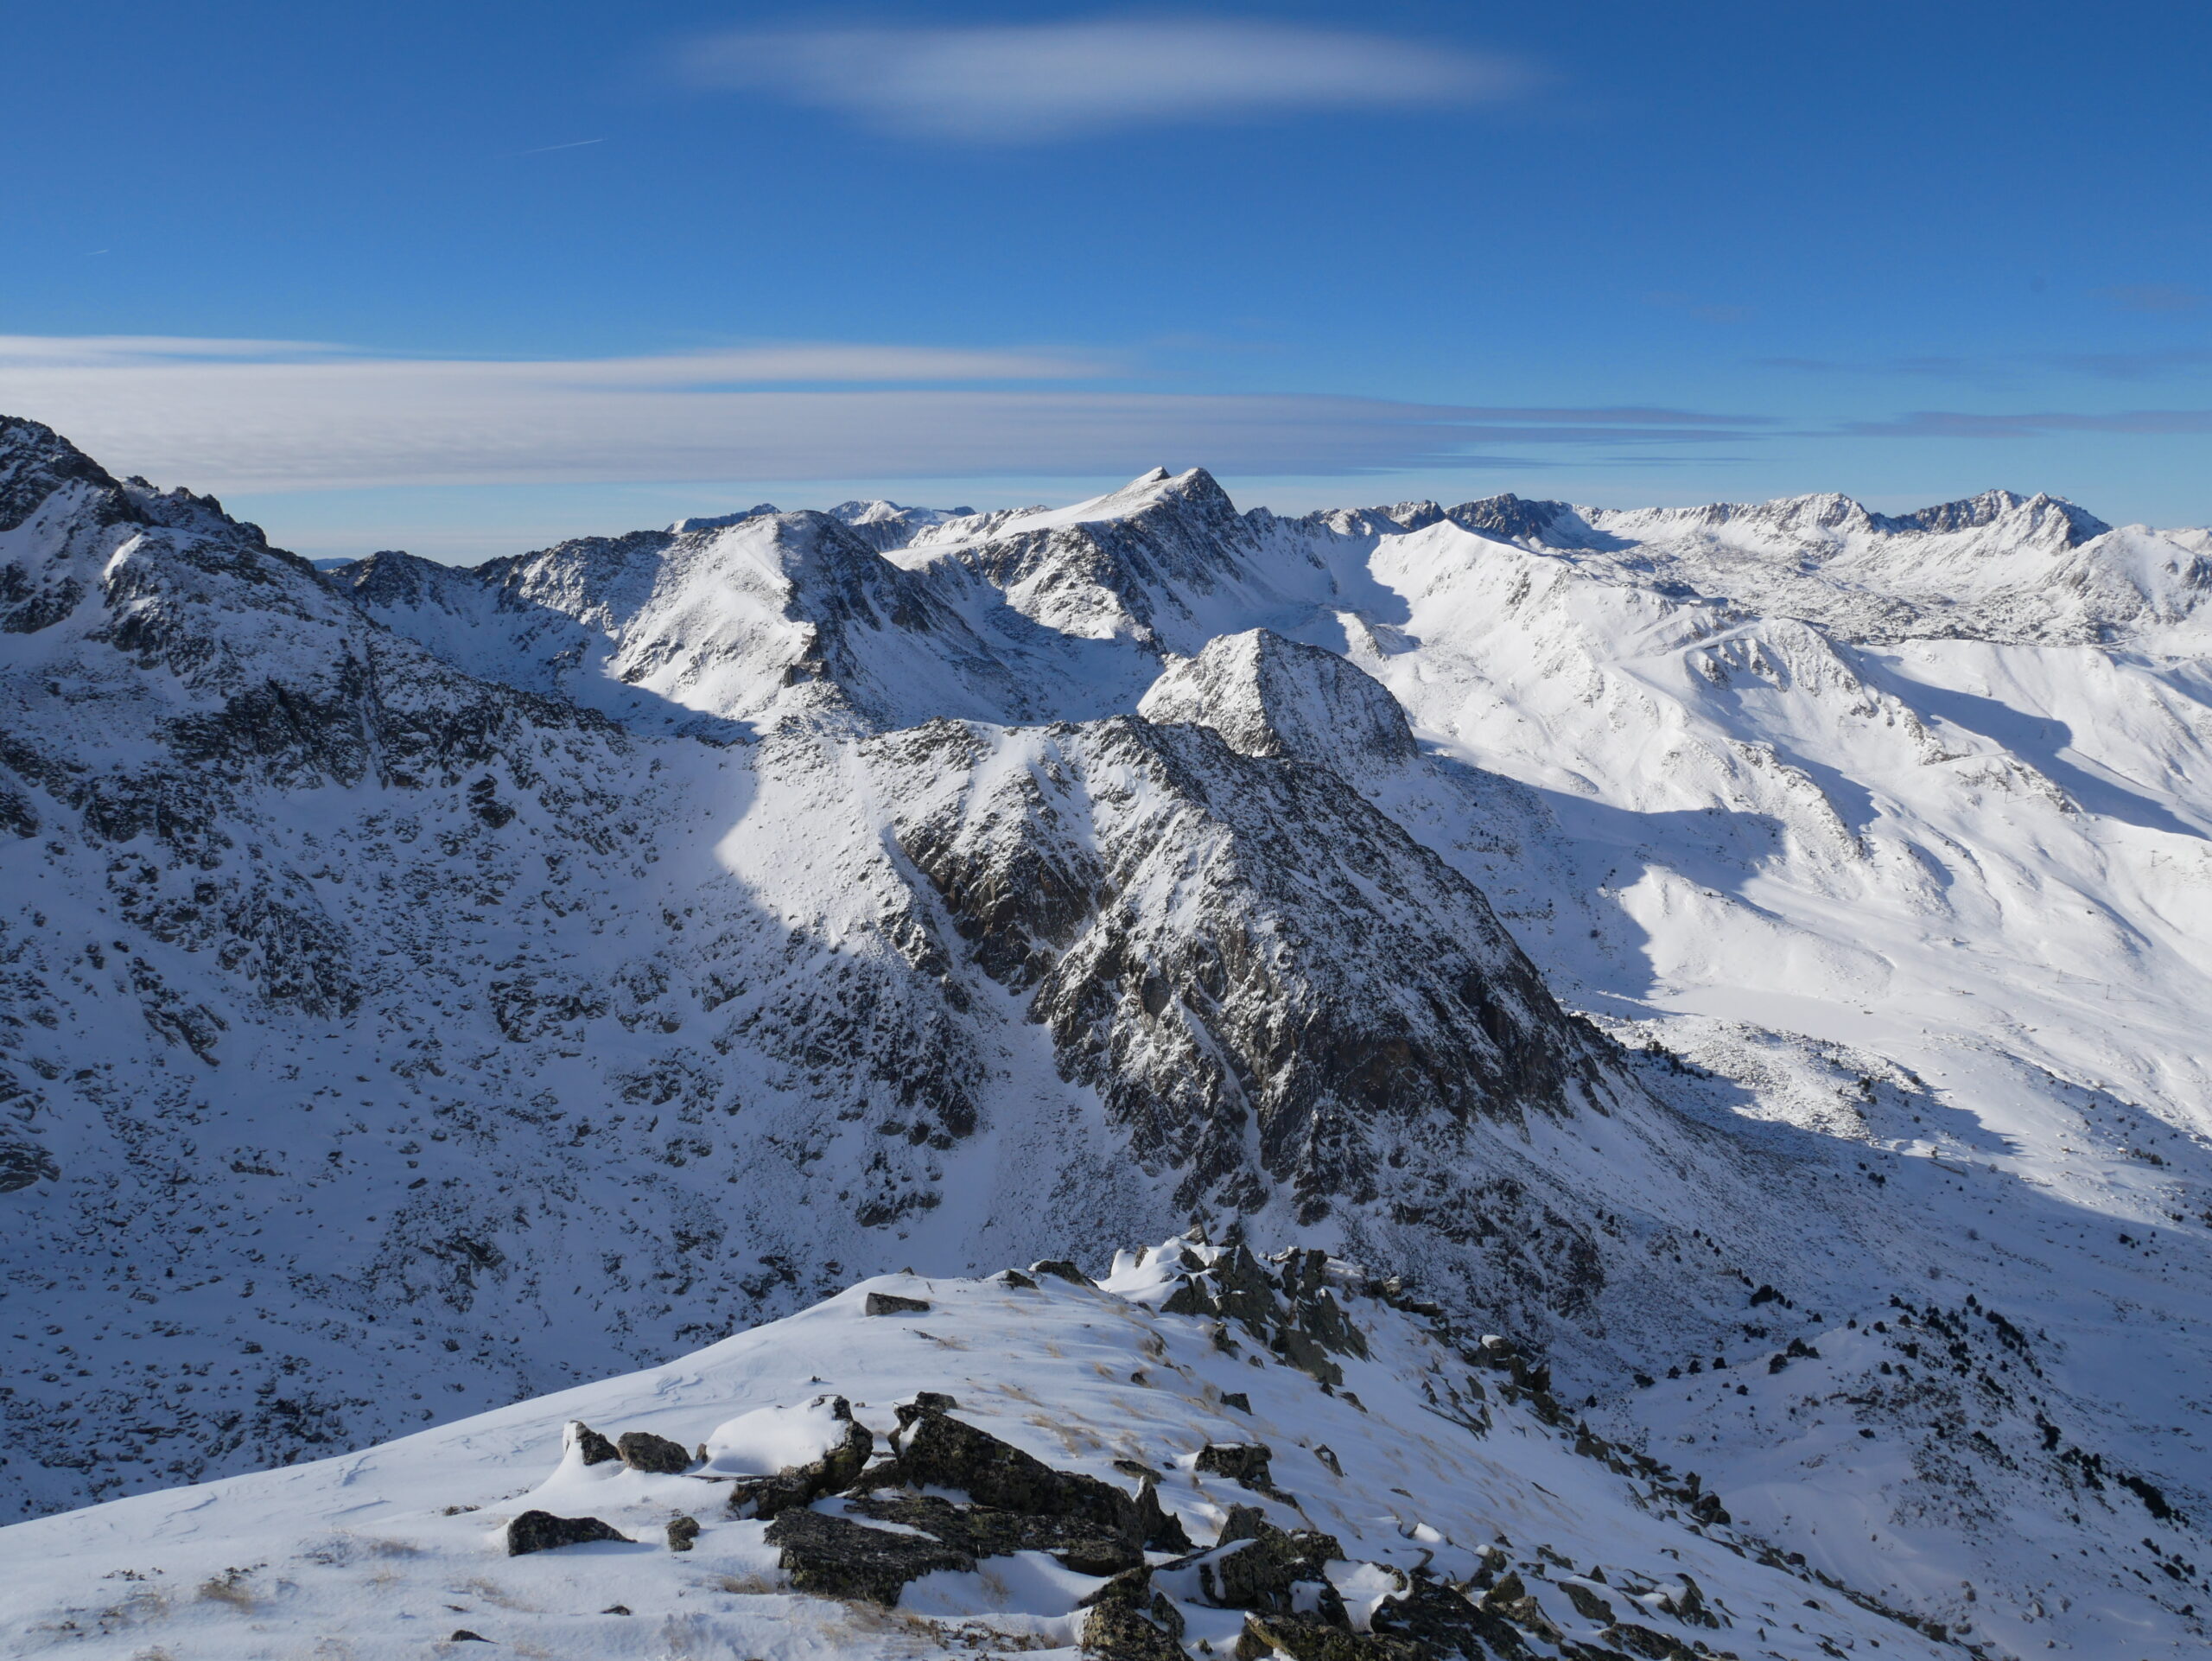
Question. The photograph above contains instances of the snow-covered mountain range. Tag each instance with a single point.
(1772, 936)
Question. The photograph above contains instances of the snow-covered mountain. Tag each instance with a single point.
(1764, 935)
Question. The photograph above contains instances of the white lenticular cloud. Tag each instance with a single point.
(1052, 80)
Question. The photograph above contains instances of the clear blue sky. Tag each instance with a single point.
(467, 277)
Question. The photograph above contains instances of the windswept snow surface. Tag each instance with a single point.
(1767, 934)
(1412, 1463)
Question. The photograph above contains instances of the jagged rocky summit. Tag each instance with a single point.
(1744, 957)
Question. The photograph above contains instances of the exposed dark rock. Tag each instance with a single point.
(641, 1450)
(683, 1533)
(23, 1163)
(1131, 1621)
(462, 1635)
(835, 1558)
(1587, 1603)
(1317, 1638)
(1646, 1643)
(890, 1303)
(1060, 1269)
(1444, 1623)
(932, 1450)
(981, 1531)
(926, 1401)
(616, 1609)
(937, 1451)
(1256, 1565)
(1689, 1605)
(540, 1530)
(1241, 1462)
(1511, 1600)
(834, 1472)
(594, 1448)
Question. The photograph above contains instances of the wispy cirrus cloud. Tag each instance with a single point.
(233, 415)
(783, 362)
(1953, 423)
(1030, 82)
(2010, 368)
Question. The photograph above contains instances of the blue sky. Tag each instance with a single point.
(467, 279)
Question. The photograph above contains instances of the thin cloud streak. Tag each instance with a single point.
(196, 415)
(1044, 81)
(793, 362)
(2104, 365)
(1950, 424)
(2155, 297)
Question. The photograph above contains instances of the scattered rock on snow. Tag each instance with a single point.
(890, 1303)
(1436, 1616)
(540, 1530)
(641, 1450)
(833, 1471)
(594, 1448)
(1131, 1621)
(934, 1450)
(981, 1531)
(835, 1558)
(1241, 1462)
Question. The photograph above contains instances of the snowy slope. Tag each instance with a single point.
(1421, 1461)
(662, 930)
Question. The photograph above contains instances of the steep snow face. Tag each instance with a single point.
(1433, 1478)
(713, 630)
(1164, 563)
(1267, 696)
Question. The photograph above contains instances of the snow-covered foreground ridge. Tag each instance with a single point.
(1307, 1471)
(1754, 957)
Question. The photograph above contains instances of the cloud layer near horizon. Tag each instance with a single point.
(1044, 81)
(232, 415)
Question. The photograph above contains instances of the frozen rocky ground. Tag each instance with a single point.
(1752, 959)
(1308, 1471)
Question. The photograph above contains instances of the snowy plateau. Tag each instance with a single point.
(1509, 1081)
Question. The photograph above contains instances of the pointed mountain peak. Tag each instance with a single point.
(1157, 476)
(1269, 696)
(36, 462)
